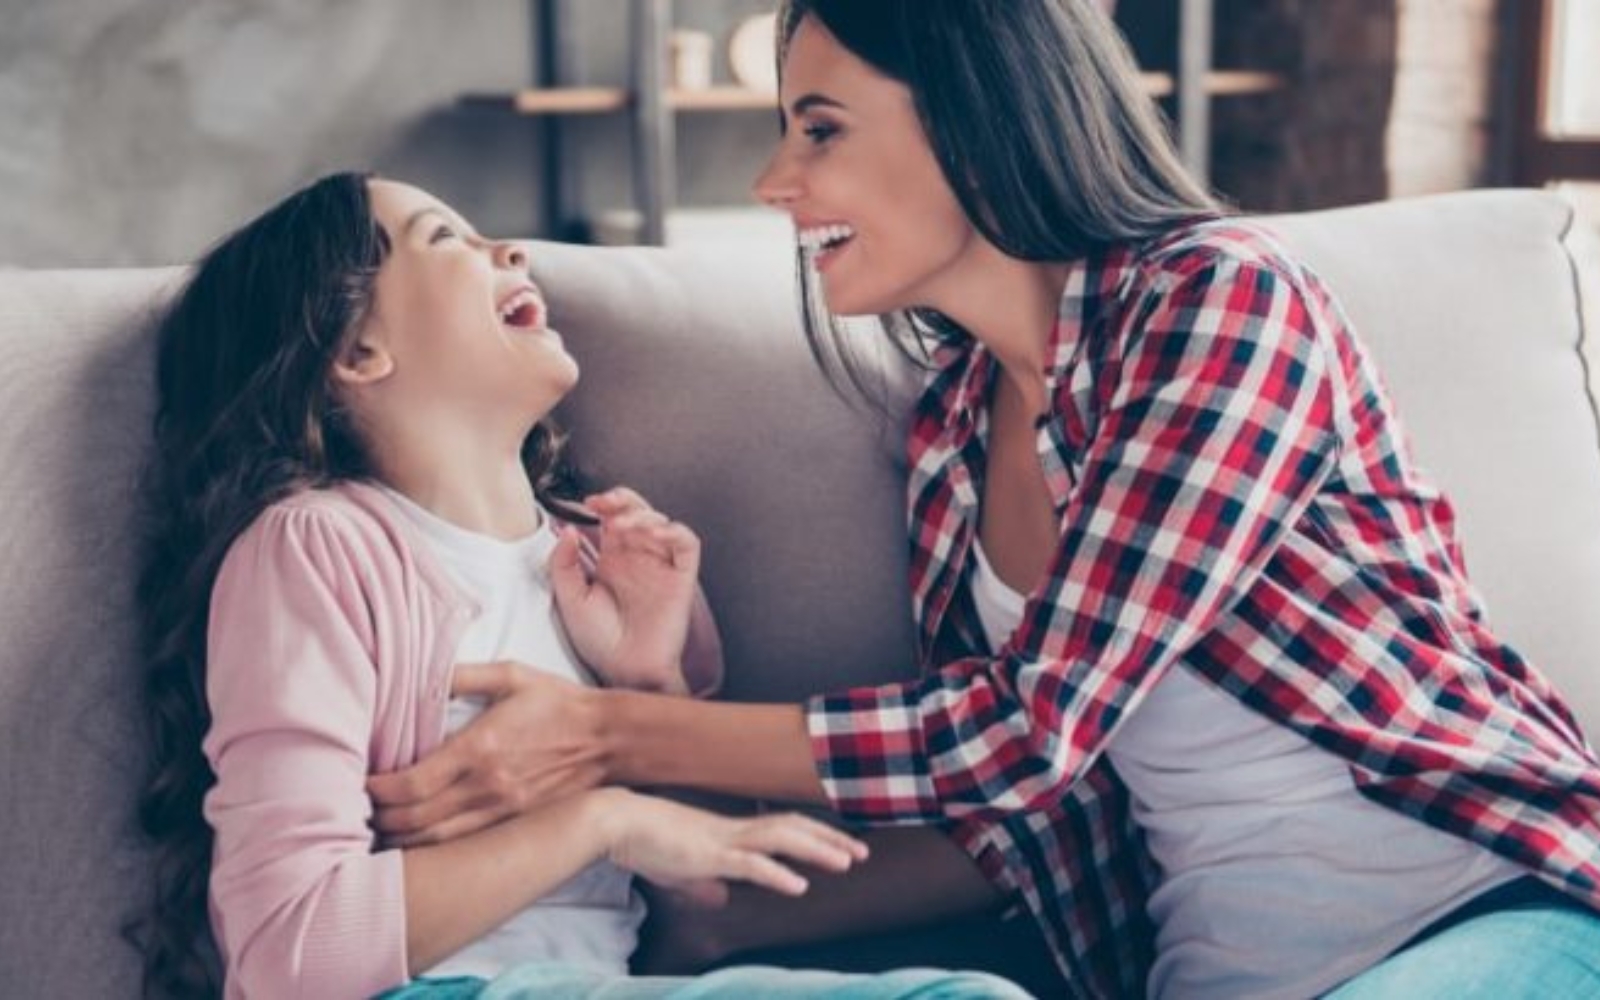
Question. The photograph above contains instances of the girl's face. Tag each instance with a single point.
(855, 171)
(458, 318)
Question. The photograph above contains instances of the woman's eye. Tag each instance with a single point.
(820, 132)
(443, 232)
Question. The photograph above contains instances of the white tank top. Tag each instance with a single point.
(593, 919)
(1277, 878)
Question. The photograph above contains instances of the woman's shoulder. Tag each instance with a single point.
(1223, 244)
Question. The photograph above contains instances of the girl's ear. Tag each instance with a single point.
(363, 361)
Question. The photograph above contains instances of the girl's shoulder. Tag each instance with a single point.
(342, 526)
(340, 510)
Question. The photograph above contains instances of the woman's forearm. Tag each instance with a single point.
(459, 890)
(755, 751)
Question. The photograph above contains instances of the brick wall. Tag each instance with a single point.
(1384, 98)
(1441, 129)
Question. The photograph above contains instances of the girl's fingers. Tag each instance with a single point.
(759, 869)
(633, 522)
(804, 842)
(616, 501)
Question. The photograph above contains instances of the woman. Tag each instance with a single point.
(358, 489)
(1207, 685)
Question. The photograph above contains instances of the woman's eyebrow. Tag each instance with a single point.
(806, 102)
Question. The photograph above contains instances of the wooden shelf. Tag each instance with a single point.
(729, 98)
(608, 100)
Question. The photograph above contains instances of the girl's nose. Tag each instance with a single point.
(510, 255)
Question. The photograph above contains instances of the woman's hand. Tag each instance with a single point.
(534, 742)
(628, 617)
(696, 853)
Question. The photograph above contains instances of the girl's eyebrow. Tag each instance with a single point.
(418, 216)
(443, 216)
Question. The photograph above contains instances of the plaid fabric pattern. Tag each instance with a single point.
(1234, 495)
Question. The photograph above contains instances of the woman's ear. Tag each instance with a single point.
(362, 361)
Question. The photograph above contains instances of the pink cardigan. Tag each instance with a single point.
(330, 651)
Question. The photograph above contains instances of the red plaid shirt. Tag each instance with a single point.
(1234, 495)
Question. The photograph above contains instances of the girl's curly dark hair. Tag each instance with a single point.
(246, 414)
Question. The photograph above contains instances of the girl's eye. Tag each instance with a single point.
(443, 232)
(820, 132)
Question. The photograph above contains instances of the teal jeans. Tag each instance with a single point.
(1538, 945)
(555, 981)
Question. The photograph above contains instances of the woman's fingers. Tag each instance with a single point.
(413, 817)
(460, 824)
(400, 794)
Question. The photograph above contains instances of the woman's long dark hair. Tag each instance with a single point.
(1036, 115)
(246, 415)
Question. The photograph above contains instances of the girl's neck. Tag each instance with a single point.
(469, 484)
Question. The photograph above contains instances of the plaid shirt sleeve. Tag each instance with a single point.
(1215, 429)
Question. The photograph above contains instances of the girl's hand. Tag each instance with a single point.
(628, 617)
(696, 853)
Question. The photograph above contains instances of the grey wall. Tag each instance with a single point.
(138, 131)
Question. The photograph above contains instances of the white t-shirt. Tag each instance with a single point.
(1278, 879)
(593, 919)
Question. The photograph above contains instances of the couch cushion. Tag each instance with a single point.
(1469, 305)
(698, 389)
(75, 408)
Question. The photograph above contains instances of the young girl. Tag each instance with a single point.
(1206, 683)
(359, 490)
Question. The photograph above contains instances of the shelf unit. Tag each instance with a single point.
(653, 105)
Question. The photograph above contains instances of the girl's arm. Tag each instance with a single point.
(914, 876)
(460, 890)
(303, 903)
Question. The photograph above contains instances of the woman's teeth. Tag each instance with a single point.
(818, 238)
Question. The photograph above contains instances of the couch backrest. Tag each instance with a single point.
(698, 389)
(1474, 307)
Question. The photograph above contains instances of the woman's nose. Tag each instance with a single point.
(778, 183)
(510, 255)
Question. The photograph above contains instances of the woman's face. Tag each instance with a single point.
(459, 317)
(855, 171)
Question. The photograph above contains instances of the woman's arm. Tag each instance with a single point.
(1220, 431)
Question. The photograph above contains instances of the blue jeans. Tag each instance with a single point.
(555, 981)
(1541, 945)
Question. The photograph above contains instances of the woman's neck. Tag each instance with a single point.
(1011, 306)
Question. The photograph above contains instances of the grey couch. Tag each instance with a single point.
(697, 389)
